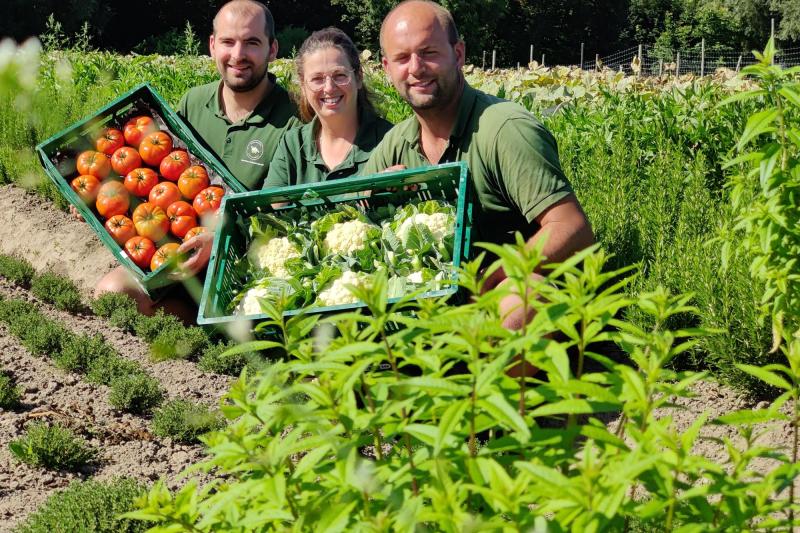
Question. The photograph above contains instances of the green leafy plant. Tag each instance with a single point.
(9, 392)
(51, 446)
(57, 290)
(107, 303)
(88, 506)
(454, 441)
(16, 269)
(137, 392)
(185, 421)
(104, 370)
(216, 359)
(79, 352)
(178, 343)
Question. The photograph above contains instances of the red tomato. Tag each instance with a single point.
(136, 129)
(125, 159)
(110, 141)
(150, 221)
(194, 232)
(112, 199)
(182, 218)
(121, 228)
(164, 254)
(141, 250)
(164, 194)
(155, 147)
(140, 181)
(94, 163)
(208, 200)
(174, 164)
(86, 186)
(193, 180)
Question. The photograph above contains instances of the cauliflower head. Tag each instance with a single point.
(272, 255)
(249, 305)
(338, 293)
(347, 237)
(439, 225)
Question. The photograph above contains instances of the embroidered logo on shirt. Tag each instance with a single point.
(255, 149)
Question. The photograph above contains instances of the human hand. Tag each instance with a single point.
(198, 250)
(493, 280)
(75, 213)
(393, 168)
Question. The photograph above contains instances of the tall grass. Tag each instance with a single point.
(645, 161)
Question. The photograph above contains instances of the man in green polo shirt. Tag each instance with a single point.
(513, 159)
(240, 118)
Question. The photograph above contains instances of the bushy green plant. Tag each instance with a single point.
(456, 443)
(9, 392)
(51, 446)
(150, 327)
(88, 506)
(79, 352)
(104, 370)
(57, 290)
(136, 393)
(215, 359)
(16, 269)
(185, 421)
(178, 343)
(42, 336)
(107, 303)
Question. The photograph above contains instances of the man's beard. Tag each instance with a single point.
(445, 91)
(243, 86)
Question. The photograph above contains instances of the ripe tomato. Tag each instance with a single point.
(86, 186)
(121, 228)
(141, 250)
(136, 129)
(182, 218)
(164, 194)
(150, 221)
(125, 159)
(193, 180)
(194, 232)
(94, 163)
(155, 147)
(208, 200)
(112, 199)
(174, 164)
(140, 181)
(110, 141)
(164, 254)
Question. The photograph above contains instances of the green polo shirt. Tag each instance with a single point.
(245, 147)
(512, 157)
(297, 160)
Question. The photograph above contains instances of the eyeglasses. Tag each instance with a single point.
(340, 78)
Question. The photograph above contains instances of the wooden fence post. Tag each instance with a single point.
(678, 65)
(739, 63)
(641, 62)
(703, 57)
(581, 56)
(542, 59)
(597, 62)
(531, 57)
(483, 63)
(494, 56)
(660, 67)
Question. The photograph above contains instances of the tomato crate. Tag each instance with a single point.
(58, 156)
(388, 191)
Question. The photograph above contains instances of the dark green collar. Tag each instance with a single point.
(367, 135)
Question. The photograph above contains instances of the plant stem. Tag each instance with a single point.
(796, 421)
(371, 404)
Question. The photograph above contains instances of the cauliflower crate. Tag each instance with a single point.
(124, 167)
(310, 241)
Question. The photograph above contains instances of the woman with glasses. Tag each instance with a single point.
(342, 127)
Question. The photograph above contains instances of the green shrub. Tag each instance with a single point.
(104, 370)
(125, 318)
(43, 337)
(9, 392)
(185, 421)
(88, 506)
(136, 393)
(14, 310)
(16, 269)
(51, 446)
(57, 290)
(150, 327)
(107, 303)
(178, 343)
(79, 352)
(215, 360)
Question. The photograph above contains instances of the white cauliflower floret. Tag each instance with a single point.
(337, 293)
(415, 277)
(437, 223)
(272, 255)
(249, 305)
(347, 237)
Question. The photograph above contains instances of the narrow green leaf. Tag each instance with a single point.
(497, 406)
(423, 432)
(452, 418)
(749, 416)
(765, 375)
(757, 124)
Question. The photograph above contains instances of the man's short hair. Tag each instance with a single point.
(241, 7)
(444, 17)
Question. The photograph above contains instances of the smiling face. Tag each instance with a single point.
(424, 66)
(329, 84)
(241, 49)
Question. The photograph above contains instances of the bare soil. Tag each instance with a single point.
(52, 240)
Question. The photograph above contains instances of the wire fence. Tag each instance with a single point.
(651, 61)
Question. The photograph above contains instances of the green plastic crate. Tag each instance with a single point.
(445, 182)
(59, 153)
